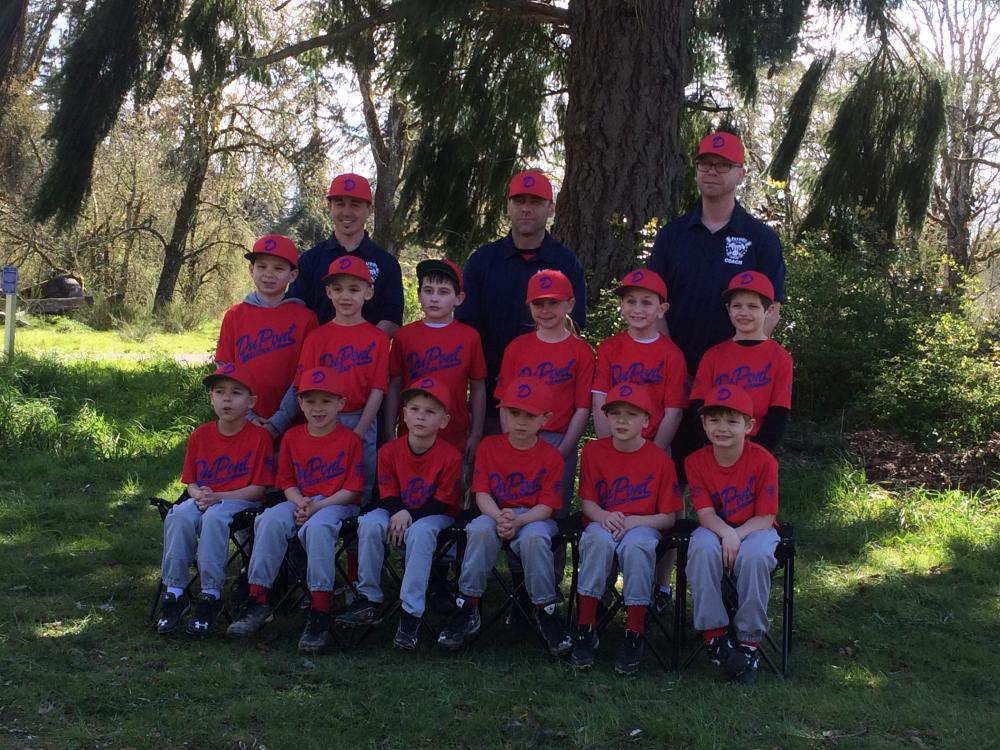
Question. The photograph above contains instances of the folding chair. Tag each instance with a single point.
(290, 591)
(448, 541)
(769, 650)
(241, 537)
(568, 532)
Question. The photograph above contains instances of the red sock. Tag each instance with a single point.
(259, 593)
(352, 565)
(470, 601)
(588, 611)
(320, 600)
(636, 620)
(710, 635)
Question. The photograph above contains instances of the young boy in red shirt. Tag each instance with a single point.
(750, 360)
(228, 464)
(517, 481)
(641, 355)
(442, 348)
(321, 473)
(734, 488)
(630, 496)
(419, 480)
(357, 350)
(264, 333)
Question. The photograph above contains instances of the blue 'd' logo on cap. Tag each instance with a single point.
(528, 181)
(523, 390)
(625, 390)
(723, 394)
(636, 276)
(545, 282)
(718, 141)
(344, 263)
(227, 369)
(318, 377)
(746, 279)
(270, 245)
(426, 383)
(349, 184)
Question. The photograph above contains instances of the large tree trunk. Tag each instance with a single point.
(629, 63)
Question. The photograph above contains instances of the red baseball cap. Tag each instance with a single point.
(750, 281)
(430, 387)
(349, 264)
(643, 278)
(549, 284)
(531, 182)
(733, 397)
(726, 145)
(230, 371)
(350, 185)
(276, 245)
(528, 394)
(627, 393)
(440, 267)
(324, 379)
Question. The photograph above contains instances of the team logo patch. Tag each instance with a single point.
(318, 377)
(625, 391)
(545, 282)
(523, 391)
(270, 245)
(723, 394)
(372, 269)
(636, 277)
(345, 262)
(227, 369)
(528, 181)
(736, 248)
(745, 279)
(349, 184)
(427, 383)
(718, 142)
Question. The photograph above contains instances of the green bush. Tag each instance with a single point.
(946, 391)
(180, 317)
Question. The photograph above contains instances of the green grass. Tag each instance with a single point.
(67, 337)
(897, 609)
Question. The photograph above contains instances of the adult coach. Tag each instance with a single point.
(350, 204)
(698, 253)
(496, 275)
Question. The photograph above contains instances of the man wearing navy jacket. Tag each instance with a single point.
(350, 203)
(496, 275)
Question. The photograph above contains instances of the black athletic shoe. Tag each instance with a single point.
(407, 632)
(630, 654)
(359, 612)
(251, 617)
(172, 609)
(206, 611)
(556, 637)
(662, 600)
(719, 649)
(316, 633)
(584, 645)
(463, 625)
(741, 664)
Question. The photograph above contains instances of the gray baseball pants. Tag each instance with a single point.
(636, 553)
(755, 562)
(190, 534)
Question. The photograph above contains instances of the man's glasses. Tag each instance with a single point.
(721, 167)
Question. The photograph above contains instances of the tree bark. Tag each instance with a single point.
(629, 63)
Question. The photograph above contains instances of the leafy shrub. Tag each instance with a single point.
(180, 317)
(946, 390)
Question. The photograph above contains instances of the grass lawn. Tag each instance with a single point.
(897, 607)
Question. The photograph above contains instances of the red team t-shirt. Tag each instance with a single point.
(763, 370)
(567, 366)
(321, 465)
(229, 462)
(435, 474)
(518, 478)
(359, 354)
(452, 355)
(637, 484)
(739, 492)
(266, 341)
(658, 365)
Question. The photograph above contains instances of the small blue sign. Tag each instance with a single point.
(9, 280)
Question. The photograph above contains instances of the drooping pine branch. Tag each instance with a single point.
(797, 119)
